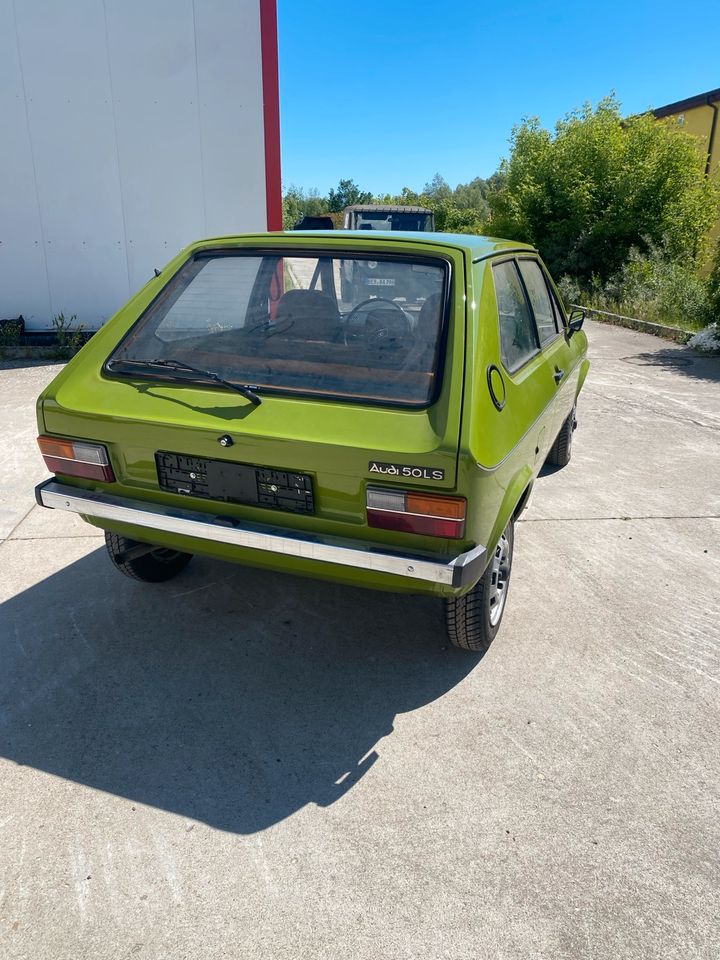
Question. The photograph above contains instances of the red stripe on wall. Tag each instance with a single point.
(271, 112)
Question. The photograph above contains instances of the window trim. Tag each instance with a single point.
(555, 306)
(513, 260)
(555, 297)
(208, 253)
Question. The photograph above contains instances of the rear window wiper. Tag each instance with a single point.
(247, 391)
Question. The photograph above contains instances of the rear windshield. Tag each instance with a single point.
(312, 324)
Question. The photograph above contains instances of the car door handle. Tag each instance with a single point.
(559, 374)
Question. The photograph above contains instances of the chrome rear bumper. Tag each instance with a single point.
(460, 571)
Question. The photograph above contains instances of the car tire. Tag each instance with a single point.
(474, 619)
(153, 566)
(561, 450)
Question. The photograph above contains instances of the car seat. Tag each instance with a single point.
(307, 315)
(427, 324)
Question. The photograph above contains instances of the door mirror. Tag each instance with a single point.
(575, 321)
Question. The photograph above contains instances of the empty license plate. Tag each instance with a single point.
(235, 482)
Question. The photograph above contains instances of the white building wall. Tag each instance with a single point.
(130, 128)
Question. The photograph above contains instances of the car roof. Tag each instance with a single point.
(476, 246)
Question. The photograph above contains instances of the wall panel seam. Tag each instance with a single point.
(117, 149)
(199, 121)
(34, 165)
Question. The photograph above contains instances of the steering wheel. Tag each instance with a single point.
(381, 332)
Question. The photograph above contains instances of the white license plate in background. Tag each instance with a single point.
(378, 282)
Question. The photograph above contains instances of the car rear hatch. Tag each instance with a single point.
(330, 450)
(293, 461)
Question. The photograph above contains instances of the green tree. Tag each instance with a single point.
(406, 198)
(451, 218)
(297, 203)
(473, 196)
(347, 194)
(601, 185)
(438, 188)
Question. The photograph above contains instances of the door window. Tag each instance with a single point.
(540, 299)
(518, 337)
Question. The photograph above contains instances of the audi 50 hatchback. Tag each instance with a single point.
(250, 405)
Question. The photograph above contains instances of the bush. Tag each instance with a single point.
(10, 332)
(708, 340)
(69, 334)
(601, 184)
(652, 286)
(449, 218)
(656, 287)
(713, 282)
(570, 290)
(298, 203)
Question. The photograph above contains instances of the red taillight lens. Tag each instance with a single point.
(76, 458)
(429, 514)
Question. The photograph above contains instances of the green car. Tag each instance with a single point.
(240, 407)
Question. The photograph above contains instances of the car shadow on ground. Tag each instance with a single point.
(549, 470)
(229, 695)
(689, 363)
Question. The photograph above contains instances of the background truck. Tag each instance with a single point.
(377, 278)
(382, 217)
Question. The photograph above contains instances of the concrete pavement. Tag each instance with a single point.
(237, 764)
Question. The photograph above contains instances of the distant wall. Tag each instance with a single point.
(129, 129)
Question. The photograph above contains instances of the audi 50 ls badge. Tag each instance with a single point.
(405, 470)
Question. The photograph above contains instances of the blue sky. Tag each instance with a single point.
(388, 93)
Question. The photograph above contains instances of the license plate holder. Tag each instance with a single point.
(231, 482)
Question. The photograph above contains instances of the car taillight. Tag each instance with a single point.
(427, 513)
(76, 458)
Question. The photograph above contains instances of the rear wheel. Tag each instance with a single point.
(140, 561)
(561, 450)
(474, 619)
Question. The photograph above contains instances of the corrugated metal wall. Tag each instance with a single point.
(129, 128)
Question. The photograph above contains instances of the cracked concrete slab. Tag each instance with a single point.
(649, 434)
(241, 764)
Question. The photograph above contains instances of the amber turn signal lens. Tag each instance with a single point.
(76, 458)
(453, 508)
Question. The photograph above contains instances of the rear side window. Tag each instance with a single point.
(518, 339)
(539, 298)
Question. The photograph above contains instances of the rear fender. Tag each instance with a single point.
(514, 502)
(523, 502)
(584, 367)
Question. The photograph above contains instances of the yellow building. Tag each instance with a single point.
(699, 116)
